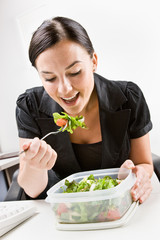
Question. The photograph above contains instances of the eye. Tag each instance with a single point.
(75, 74)
(50, 79)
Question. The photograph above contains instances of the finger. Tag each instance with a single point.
(142, 190)
(52, 160)
(145, 195)
(142, 177)
(33, 149)
(26, 145)
(46, 158)
(128, 164)
(35, 161)
(138, 184)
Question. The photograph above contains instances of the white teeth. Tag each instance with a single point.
(67, 99)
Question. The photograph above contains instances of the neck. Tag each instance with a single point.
(92, 104)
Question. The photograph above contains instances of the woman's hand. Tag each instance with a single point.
(142, 187)
(35, 162)
(38, 154)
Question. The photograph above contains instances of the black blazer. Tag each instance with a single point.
(124, 115)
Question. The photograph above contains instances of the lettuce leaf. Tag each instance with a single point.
(90, 184)
(73, 122)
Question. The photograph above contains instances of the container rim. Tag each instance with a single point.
(126, 184)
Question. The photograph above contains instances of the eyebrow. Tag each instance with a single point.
(71, 65)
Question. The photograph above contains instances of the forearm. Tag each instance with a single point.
(32, 180)
(140, 154)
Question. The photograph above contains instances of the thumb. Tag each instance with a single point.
(128, 164)
(26, 146)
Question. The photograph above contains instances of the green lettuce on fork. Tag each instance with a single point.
(72, 122)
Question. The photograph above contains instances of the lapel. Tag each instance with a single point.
(114, 120)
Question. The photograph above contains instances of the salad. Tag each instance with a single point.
(91, 184)
(72, 122)
(109, 209)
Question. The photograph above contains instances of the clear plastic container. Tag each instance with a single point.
(92, 206)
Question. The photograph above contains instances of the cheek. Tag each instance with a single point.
(50, 89)
(89, 81)
(86, 80)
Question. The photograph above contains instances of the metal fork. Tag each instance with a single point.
(48, 134)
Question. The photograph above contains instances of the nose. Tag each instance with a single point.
(64, 86)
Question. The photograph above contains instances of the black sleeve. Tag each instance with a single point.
(26, 114)
(140, 122)
(26, 111)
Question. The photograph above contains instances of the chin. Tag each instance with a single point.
(74, 112)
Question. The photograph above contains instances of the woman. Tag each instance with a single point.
(115, 112)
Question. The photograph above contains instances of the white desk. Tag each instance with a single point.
(143, 225)
(8, 162)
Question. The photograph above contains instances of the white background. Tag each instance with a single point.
(125, 35)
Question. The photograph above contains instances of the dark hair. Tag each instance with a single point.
(55, 30)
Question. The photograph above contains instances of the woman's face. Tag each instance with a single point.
(66, 70)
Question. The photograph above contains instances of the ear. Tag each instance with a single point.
(94, 61)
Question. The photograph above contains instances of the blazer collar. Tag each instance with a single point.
(110, 95)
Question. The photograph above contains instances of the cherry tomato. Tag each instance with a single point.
(113, 214)
(61, 122)
(102, 217)
(61, 209)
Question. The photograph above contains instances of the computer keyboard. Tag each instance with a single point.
(12, 215)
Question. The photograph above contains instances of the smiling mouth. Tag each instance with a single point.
(71, 100)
